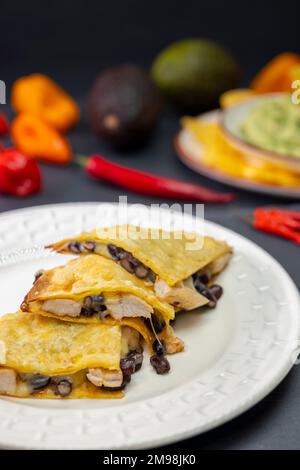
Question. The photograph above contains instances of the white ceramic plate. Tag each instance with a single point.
(190, 153)
(235, 354)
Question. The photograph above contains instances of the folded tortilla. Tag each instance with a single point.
(64, 292)
(164, 260)
(34, 349)
(172, 259)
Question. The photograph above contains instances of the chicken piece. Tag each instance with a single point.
(8, 381)
(128, 306)
(103, 377)
(2, 352)
(62, 307)
(173, 344)
(183, 295)
(218, 265)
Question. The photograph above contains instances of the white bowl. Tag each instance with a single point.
(231, 121)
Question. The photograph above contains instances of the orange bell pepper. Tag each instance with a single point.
(40, 95)
(275, 76)
(37, 139)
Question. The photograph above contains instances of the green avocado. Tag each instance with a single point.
(193, 73)
(124, 105)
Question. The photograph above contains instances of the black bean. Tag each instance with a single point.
(87, 312)
(24, 306)
(210, 296)
(134, 261)
(88, 246)
(127, 261)
(199, 286)
(216, 290)
(38, 274)
(159, 347)
(94, 302)
(127, 264)
(97, 299)
(63, 388)
(115, 389)
(141, 271)
(114, 251)
(203, 277)
(138, 366)
(137, 356)
(151, 276)
(38, 381)
(75, 247)
(126, 378)
(127, 365)
(158, 323)
(160, 364)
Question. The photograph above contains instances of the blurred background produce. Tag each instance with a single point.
(125, 74)
(194, 72)
(38, 94)
(264, 125)
(282, 223)
(124, 105)
(273, 124)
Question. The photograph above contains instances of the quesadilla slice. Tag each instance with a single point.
(178, 266)
(47, 358)
(93, 289)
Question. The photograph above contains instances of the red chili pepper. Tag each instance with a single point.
(19, 175)
(4, 127)
(149, 184)
(289, 218)
(282, 223)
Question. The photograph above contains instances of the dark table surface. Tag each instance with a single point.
(273, 423)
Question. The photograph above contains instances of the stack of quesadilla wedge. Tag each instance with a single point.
(81, 328)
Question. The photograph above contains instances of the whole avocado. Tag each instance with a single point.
(124, 105)
(193, 73)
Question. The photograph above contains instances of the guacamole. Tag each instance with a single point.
(274, 125)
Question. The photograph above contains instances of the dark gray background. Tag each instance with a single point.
(72, 41)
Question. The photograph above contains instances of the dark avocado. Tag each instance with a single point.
(124, 105)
